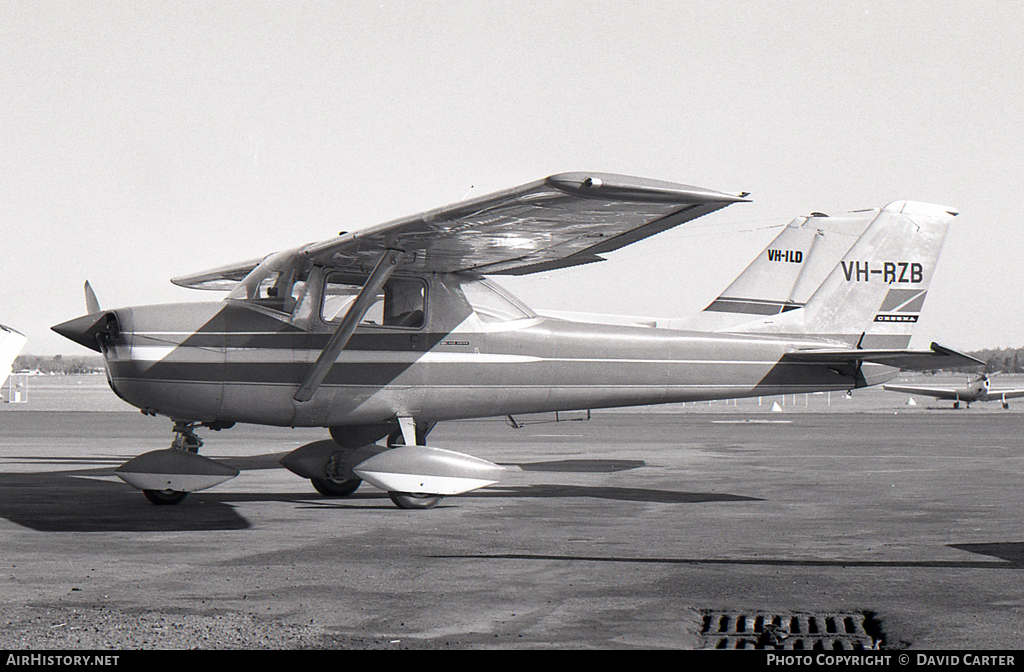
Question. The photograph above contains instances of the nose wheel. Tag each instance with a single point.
(184, 439)
(164, 497)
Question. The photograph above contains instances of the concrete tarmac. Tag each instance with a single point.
(629, 530)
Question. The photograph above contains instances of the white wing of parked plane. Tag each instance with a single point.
(557, 222)
(11, 343)
(936, 392)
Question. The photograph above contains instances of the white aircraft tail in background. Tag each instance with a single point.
(11, 343)
(785, 275)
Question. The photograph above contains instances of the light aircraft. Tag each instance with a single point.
(977, 389)
(383, 332)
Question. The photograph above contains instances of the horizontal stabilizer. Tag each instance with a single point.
(938, 357)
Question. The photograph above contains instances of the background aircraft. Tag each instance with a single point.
(11, 343)
(977, 389)
(386, 331)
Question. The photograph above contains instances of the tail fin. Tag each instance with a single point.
(785, 275)
(873, 297)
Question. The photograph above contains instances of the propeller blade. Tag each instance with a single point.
(92, 305)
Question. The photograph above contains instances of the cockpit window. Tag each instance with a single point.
(402, 302)
(277, 283)
(493, 304)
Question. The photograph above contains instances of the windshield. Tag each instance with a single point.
(494, 304)
(278, 282)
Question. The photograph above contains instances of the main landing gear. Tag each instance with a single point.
(338, 480)
(414, 475)
(341, 481)
(412, 500)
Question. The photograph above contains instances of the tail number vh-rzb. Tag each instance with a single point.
(890, 272)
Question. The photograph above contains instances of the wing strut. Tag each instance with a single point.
(381, 272)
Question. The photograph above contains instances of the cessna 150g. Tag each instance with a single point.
(385, 331)
(977, 389)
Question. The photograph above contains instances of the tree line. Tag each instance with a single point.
(58, 364)
(999, 360)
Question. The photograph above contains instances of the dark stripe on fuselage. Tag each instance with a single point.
(751, 306)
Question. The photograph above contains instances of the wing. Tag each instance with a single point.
(937, 392)
(560, 221)
(994, 395)
(218, 279)
(938, 357)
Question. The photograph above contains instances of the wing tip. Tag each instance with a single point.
(613, 186)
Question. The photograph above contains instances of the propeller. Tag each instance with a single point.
(95, 328)
(92, 304)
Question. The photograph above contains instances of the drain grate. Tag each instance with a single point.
(763, 630)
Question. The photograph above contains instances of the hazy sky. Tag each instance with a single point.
(144, 140)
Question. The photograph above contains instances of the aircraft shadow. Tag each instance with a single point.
(1010, 554)
(74, 502)
(80, 501)
(66, 502)
(580, 466)
(645, 495)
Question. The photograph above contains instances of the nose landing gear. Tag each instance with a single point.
(167, 476)
(184, 439)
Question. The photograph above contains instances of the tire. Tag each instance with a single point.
(165, 497)
(331, 488)
(395, 439)
(409, 500)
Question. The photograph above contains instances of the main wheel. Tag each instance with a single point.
(165, 497)
(331, 488)
(411, 500)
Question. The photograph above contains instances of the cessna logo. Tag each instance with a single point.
(890, 271)
(792, 256)
(901, 305)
